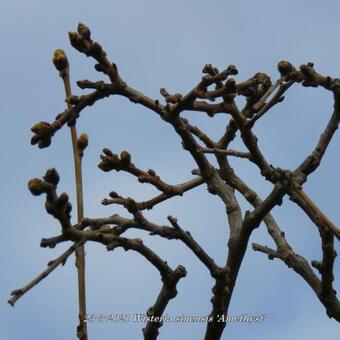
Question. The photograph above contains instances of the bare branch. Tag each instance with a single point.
(312, 162)
(313, 212)
(178, 189)
(234, 153)
(167, 293)
(60, 260)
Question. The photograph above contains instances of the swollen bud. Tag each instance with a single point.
(44, 143)
(125, 158)
(107, 152)
(82, 142)
(62, 200)
(60, 60)
(76, 41)
(285, 68)
(36, 186)
(52, 176)
(113, 194)
(42, 129)
(232, 70)
(152, 173)
(84, 31)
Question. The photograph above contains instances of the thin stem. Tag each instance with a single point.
(229, 152)
(18, 293)
(80, 252)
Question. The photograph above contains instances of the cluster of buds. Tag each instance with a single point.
(43, 133)
(289, 72)
(149, 176)
(82, 42)
(212, 71)
(170, 98)
(111, 161)
(58, 207)
(310, 76)
(214, 77)
(255, 87)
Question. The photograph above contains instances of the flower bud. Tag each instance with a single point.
(100, 68)
(36, 186)
(42, 129)
(97, 49)
(152, 173)
(35, 140)
(285, 68)
(107, 152)
(50, 208)
(82, 142)
(52, 176)
(60, 60)
(73, 36)
(62, 200)
(68, 208)
(44, 143)
(105, 166)
(84, 31)
(207, 68)
(113, 194)
(232, 70)
(125, 158)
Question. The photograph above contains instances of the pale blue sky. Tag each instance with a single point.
(160, 44)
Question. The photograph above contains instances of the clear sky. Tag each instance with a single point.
(160, 44)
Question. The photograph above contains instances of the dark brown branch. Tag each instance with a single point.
(167, 293)
(149, 204)
(111, 161)
(187, 101)
(327, 264)
(82, 42)
(234, 153)
(250, 141)
(312, 162)
(45, 131)
(266, 250)
(277, 98)
(228, 136)
(171, 233)
(199, 134)
(139, 222)
(299, 264)
(256, 103)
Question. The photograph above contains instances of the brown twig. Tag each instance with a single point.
(168, 292)
(149, 204)
(60, 260)
(234, 153)
(313, 211)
